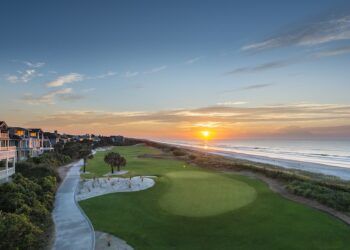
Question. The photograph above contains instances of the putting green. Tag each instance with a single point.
(199, 194)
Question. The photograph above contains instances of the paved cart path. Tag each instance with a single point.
(73, 229)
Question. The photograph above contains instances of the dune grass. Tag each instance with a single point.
(192, 208)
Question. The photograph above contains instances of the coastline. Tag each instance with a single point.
(277, 185)
(317, 168)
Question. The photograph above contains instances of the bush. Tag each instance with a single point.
(34, 171)
(192, 157)
(26, 205)
(18, 232)
(337, 199)
(179, 152)
(52, 159)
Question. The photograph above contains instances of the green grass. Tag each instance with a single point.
(197, 194)
(192, 208)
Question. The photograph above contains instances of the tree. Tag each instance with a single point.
(85, 153)
(115, 160)
(18, 232)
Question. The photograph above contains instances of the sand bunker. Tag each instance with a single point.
(121, 172)
(89, 188)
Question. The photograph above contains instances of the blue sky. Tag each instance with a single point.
(124, 66)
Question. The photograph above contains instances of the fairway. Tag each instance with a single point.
(193, 208)
(198, 194)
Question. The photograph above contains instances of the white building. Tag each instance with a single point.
(7, 154)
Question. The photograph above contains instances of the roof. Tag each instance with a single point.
(18, 128)
(35, 129)
(3, 125)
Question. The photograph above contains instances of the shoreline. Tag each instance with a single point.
(341, 172)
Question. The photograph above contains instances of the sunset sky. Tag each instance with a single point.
(168, 69)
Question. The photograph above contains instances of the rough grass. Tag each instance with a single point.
(162, 218)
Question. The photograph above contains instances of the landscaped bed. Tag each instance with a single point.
(193, 208)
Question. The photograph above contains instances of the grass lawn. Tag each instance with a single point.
(192, 208)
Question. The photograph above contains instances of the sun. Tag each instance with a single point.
(205, 134)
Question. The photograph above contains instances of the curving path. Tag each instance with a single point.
(73, 229)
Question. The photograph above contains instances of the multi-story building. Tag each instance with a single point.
(29, 142)
(7, 153)
(21, 139)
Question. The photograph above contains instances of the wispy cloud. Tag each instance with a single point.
(65, 79)
(264, 66)
(268, 117)
(89, 90)
(315, 32)
(129, 74)
(34, 64)
(333, 52)
(231, 103)
(23, 76)
(248, 87)
(155, 70)
(65, 94)
(194, 60)
(108, 74)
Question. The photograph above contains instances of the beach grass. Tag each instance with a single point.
(193, 208)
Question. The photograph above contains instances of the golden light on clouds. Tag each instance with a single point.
(221, 122)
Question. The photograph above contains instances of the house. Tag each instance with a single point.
(20, 137)
(117, 139)
(36, 143)
(54, 138)
(7, 153)
(29, 142)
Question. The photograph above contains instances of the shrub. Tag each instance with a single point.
(17, 232)
(337, 199)
(179, 152)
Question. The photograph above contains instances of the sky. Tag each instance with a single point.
(170, 69)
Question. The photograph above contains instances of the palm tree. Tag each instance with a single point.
(114, 159)
(85, 153)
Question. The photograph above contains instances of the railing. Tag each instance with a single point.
(7, 172)
(10, 148)
(4, 135)
(7, 152)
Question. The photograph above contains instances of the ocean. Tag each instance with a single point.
(330, 157)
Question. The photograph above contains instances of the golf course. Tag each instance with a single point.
(194, 208)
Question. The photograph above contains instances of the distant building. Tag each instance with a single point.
(54, 138)
(118, 139)
(7, 153)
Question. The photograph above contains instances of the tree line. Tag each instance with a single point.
(26, 202)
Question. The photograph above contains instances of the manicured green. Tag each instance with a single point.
(197, 194)
(192, 208)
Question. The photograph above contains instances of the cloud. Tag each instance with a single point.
(48, 98)
(23, 76)
(34, 64)
(284, 63)
(108, 74)
(249, 87)
(229, 117)
(333, 52)
(264, 66)
(89, 90)
(155, 70)
(194, 60)
(322, 30)
(231, 103)
(62, 80)
(129, 74)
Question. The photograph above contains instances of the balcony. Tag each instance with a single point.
(4, 135)
(4, 174)
(7, 152)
